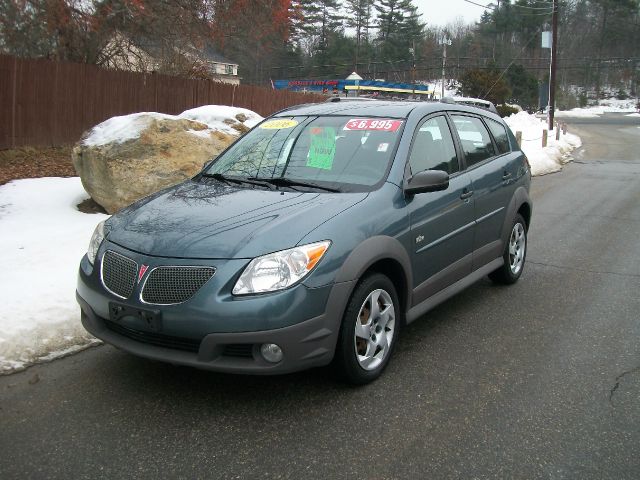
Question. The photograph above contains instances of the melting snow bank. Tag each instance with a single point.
(543, 160)
(127, 127)
(42, 238)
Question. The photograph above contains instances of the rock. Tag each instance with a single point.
(127, 158)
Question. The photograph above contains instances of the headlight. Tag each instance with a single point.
(279, 270)
(96, 240)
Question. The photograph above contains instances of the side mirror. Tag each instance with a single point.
(427, 181)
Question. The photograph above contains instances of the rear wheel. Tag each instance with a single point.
(369, 330)
(515, 253)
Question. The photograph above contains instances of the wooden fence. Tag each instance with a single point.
(47, 103)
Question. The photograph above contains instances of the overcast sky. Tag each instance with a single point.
(441, 12)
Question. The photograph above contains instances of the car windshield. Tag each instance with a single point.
(333, 152)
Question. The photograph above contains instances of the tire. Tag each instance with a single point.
(366, 341)
(515, 253)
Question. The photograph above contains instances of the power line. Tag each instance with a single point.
(512, 62)
(493, 7)
(487, 7)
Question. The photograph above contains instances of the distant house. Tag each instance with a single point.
(219, 67)
(147, 55)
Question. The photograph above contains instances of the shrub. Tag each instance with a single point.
(582, 100)
(622, 95)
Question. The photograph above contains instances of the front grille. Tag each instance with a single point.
(170, 285)
(238, 350)
(118, 274)
(167, 341)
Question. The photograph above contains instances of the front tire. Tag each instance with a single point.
(369, 330)
(515, 253)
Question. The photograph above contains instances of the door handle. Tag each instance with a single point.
(466, 194)
(506, 175)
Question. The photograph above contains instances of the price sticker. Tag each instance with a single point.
(374, 124)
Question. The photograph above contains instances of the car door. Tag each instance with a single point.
(489, 174)
(441, 222)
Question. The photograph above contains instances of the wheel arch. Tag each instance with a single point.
(525, 211)
(384, 255)
(520, 204)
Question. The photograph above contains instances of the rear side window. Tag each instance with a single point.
(475, 139)
(499, 135)
(433, 148)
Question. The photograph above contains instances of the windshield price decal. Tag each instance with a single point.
(278, 124)
(378, 124)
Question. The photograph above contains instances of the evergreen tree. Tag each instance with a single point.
(359, 17)
(320, 19)
(485, 84)
(523, 86)
(399, 27)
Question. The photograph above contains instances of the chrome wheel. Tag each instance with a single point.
(374, 329)
(517, 247)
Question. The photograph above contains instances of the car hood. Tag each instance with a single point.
(207, 219)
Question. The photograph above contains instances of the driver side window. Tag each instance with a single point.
(433, 148)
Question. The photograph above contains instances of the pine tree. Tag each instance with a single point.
(399, 26)
(359, 17)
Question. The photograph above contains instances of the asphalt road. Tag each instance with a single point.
(537, 380)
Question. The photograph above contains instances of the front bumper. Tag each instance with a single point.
(305, 345)
(214, 331)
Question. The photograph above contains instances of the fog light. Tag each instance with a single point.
(271, 352)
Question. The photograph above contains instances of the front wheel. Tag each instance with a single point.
(369, 330)
(515, 253)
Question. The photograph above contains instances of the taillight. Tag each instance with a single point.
(526, 162)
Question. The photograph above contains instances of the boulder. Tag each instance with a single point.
(127, 158)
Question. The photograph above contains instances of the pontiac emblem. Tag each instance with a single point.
(143, 270)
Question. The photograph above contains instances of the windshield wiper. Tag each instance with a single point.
(238, 180)
(287, 182)
(220, 177)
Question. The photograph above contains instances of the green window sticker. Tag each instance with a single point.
(323, 147)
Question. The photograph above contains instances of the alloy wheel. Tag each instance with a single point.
(517, 246)
(374, 329)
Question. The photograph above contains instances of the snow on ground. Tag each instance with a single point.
(542, 160)
(127, 127)
(42, 238)
(612, 105)
(592, 112)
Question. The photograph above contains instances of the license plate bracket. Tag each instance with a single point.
(120, 313)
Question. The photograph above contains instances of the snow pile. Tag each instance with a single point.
(42, 238)
(127, 127)
(215, 115)
(543, 160)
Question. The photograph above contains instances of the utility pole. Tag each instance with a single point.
(412, 51)
(552, 73)
(444, 41)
